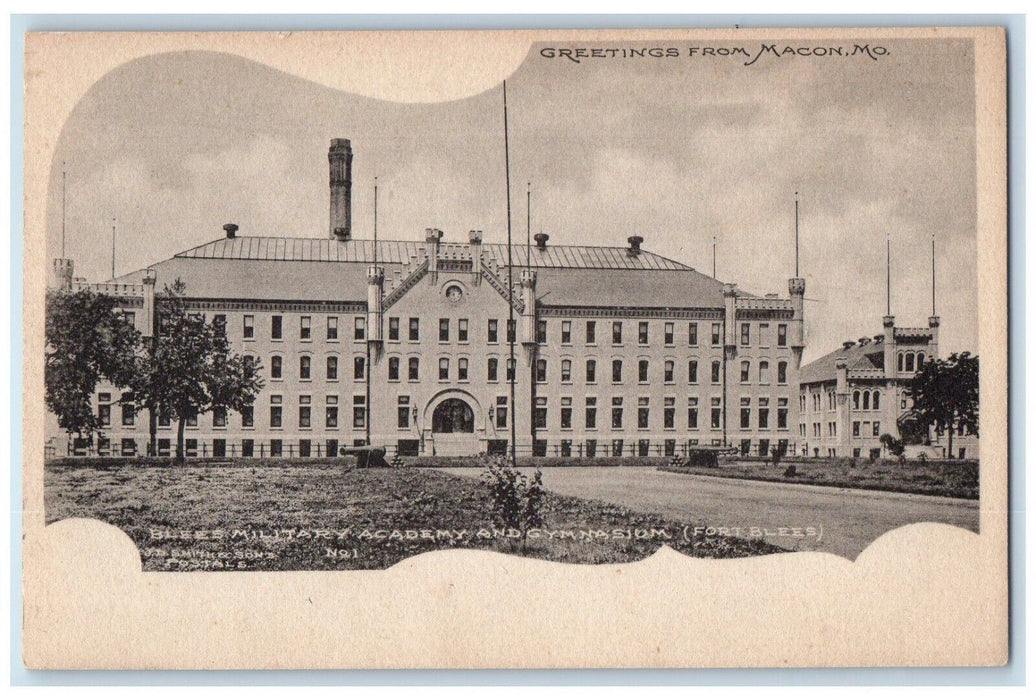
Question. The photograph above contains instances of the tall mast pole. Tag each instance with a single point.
(367, 366)
(63, 202)
(796, 234)
(888, 274)
(113, 247)
(528, 226)
(714, 257)
(512, 331)
(933, 273)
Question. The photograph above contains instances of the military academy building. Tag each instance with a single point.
(407, 344)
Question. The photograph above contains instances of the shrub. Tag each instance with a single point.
(515, 500)
(892, 444)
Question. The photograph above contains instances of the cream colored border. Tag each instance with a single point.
(921, 595)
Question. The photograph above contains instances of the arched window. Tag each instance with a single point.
(866, 401)
(876, 402)
(899, 362)
(856, 400)
(920, 360)
(910, 362)
(566, 370)
(764, 372)
(332, 367)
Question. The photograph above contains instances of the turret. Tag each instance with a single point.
(432, 237)
(475, 242)
(61, 273)
(375, 284)
(933, 344)
(528, 282)
(889, 345)
(796, 332)
(147, 320)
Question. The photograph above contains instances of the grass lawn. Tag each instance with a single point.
(953, 478)
(276, 515)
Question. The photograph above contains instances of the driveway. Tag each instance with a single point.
(843, 521)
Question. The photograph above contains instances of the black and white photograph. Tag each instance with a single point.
(707, 295)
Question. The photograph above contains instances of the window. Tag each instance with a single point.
(616, 371)
(591, 448)
(746, 334)
(669, 413)
(359, 364)
(692, 334)
(192, 418)
(899, 362)
(276, 448)
(877, 429)
(129, 446)
(746, 414)
(642, 371)
(692, 413)
(462, 330)
(591, 371)
(359, 328)
(782, 415)
(403, 412)
(219, 418)
(359, 411)
(247, 417)
(444, 368)
(566, 371)
(219, 322)
(717, 413)
(541, 330)
(276, 413)
(616, 412)
(566, 332)
(540, 414)
(642, 332)
(746, 369)
(764, 414)
(305, 327)
(510, 369)
(331, 412)
(591, 412)
(444, 330)
(617, 333)
(332, 328)
(782, 372)
(541, 370)
(910, 362)
(492, 334)
(332, 368)
(566, 412)
(104, 409)
(413, 365)
(393, 369)
(511, 326)
(591, 332)
(856, 401)
(492, 367)
(276, 328)
(668, 335)
(856, 428)
(501, 411)
(305, 365)
(128, 414)
(715, 334)
(393, 328)
(276, 368)
(764, 372)
(248, 329)
(415, 330)
(462, 369)
(920, 360)
(764, 334)
(617, 447)
(877, 400)
(669, 371)
(782, 334)
(866, 401)
(305, 412)
(715, 371)
(305, 448)
(642, 412)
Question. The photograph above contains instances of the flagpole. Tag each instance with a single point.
(512, 331)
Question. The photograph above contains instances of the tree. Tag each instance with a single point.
(945, 395)
(88, 340)
(189, 368)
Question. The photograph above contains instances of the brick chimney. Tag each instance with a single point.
(635, 242)
(541, 240)
(231, 230)
(340, 162)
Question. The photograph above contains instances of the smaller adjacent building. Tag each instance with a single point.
(852, 396)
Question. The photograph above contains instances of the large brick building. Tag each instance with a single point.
(406, 344)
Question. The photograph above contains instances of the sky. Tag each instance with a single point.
(679, 150)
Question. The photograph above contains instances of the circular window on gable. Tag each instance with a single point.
(454, 293)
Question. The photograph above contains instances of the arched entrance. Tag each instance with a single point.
(453, 416)
(455, 424)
